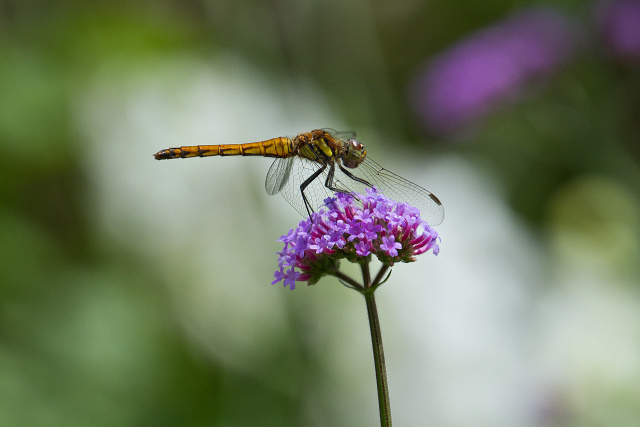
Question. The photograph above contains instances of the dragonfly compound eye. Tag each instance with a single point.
(355, 154)
(356, 145)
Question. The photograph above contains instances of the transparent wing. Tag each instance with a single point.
(286, 175)
(343, 134)
(278, 175)
(298, 169)
(399, 189)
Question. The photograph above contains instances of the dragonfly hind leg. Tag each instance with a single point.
(306, 183)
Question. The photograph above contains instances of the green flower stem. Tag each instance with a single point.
(378, 359)
(367, 289)
(376, 341)
(377, 281)
(347, 281)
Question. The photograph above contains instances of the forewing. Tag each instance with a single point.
(400, 190)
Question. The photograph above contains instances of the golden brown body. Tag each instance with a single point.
(275, 147)
(316, 165)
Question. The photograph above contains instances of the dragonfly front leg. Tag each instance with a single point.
(329, 182)
(306, 183)
(355, 178)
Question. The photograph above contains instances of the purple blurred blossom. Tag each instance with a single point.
(466, 81)
(351, 229)
(619, 23)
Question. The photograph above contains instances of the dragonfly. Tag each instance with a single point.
(316, 165)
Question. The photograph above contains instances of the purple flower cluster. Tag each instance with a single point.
(465, 82)
(353, 229)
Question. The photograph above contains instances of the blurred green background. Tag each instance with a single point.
(136, 292)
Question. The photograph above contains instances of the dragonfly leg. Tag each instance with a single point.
(353, 177)
(329, 182)
(306, 183)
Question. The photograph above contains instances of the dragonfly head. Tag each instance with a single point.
(355, 154)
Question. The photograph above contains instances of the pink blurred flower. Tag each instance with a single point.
(619, 23)
(466, 81)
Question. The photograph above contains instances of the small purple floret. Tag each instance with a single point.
(353, 228)
(390, 246)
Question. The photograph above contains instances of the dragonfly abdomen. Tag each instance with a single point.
(276, 147)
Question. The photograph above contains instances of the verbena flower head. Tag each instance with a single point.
(353, 229)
